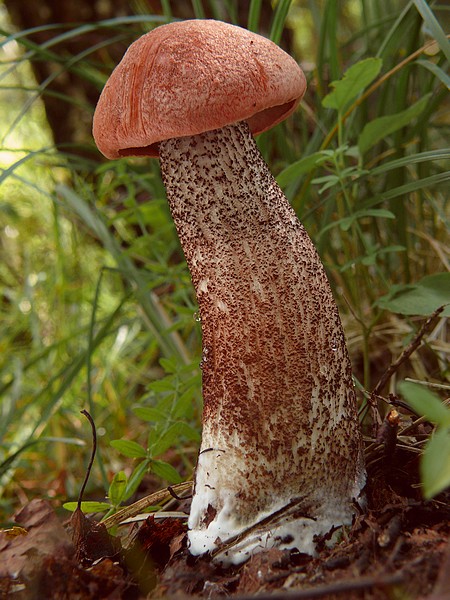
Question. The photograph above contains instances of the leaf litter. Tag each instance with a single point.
(398, 548)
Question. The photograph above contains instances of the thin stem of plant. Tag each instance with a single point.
(410, 348)
(91, 460)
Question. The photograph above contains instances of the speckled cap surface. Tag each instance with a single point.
(189, 77)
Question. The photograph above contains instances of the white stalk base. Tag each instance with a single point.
(285, 526)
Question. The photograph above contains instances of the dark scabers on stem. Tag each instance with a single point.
(279, 408)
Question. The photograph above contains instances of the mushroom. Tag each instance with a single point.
(281, 455)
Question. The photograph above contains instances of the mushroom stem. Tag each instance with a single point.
(280, 430)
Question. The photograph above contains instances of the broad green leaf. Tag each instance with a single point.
(380, 128)
(117, 488)
(369, 259)
(129, 448)
(165, 441)
(185, 403)
(165, 471)
(166, 384)
(354, 81)
(435, 463)
(425, 403)
(168, 364)
(88, 507)
(147, 413)
(422, 298)
(171, 437)
(300, 167)
(328, 182)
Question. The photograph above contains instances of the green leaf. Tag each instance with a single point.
(166, 384)
(354, 81)
(88, 507)
(373, 255)
(117, 488)
(165, 471)
(169, 365)
(135, 479)
(279, 20)
(329, 181)
(380, 128)
(185, 403)
(422, 298)
(347, 222)
(254, 12)
(129, 448)
(300, 167)
(147, 413)
(333, 179)
(435, 464)
(425, 403)
(171, 437)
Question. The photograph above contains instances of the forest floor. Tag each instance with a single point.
(398, 549)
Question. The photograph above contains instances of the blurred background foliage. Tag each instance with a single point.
(96, 306)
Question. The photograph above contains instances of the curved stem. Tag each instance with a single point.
(279, 426)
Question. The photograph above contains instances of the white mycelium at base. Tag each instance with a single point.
(287, 529)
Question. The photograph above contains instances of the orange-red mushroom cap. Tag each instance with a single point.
(189, 77)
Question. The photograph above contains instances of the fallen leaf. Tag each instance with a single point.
(23, 554)
(91, 539)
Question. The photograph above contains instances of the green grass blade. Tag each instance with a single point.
(433, 27)
(412, 186)
(393, 34)
(6, 464)
(198, 9)
(254, 13)
(279, 20)
(429, 156)
(443, 77)
(157, 320)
